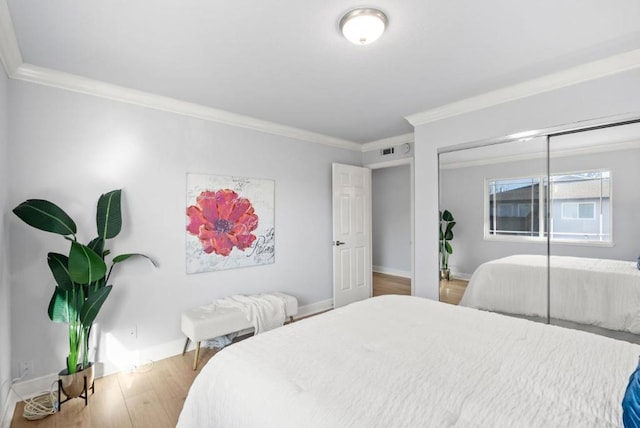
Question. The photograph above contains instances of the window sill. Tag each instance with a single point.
(536, 240)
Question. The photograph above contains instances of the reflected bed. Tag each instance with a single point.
(399, 361)
(599, 292)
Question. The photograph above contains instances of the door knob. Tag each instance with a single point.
(338, 243)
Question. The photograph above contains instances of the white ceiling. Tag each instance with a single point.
(284, 61)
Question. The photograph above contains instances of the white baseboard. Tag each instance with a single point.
(33, 387)
(314, 308)
(460, 275)
(391, 271)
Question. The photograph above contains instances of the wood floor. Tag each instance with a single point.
(451, 291)
(152, 396)
(389, 284)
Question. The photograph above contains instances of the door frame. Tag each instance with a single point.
(400, 162)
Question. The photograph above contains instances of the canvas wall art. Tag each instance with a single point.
(230, 222)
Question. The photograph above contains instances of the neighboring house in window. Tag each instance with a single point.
(514, 207)
(580, 207)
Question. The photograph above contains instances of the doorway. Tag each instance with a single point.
(392, 227)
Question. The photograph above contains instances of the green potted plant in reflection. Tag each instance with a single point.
(81, 276)
(446, 236)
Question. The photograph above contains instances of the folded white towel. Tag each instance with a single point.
(264, 311)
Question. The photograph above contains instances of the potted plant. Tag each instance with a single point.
(81, 276)
(446, 235)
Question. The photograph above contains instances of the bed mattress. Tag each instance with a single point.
(600, 292)
(401, 361)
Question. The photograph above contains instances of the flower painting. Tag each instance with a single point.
(230, 222)
(222, 220)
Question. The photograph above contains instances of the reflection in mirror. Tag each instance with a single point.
(594, 235)
(546, 229)
(497, 195)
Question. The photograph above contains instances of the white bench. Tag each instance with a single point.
(208, 321)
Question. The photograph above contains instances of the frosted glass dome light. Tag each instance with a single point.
(363, 26)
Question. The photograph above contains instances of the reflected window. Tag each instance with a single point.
(514, 207)
(579, 208)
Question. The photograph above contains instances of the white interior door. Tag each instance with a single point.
(351, 234)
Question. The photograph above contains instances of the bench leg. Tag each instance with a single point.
(186, 345)
(195, 358)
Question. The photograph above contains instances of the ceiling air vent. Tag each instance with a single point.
(387, 151)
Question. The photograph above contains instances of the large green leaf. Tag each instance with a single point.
(97, 245)
(85, 266)
(45, 215)
(447, 216)
(65, 305)
(123, 257)
(450, 226)
(448, 248)
(59, 265)
(93, 304)
(448, 236)
(96, 285)
(108, 216)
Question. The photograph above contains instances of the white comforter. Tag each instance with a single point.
(604, 293)
(400, 361)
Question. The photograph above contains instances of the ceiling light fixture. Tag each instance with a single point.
(363, 26)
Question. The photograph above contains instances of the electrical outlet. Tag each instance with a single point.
(25, 369)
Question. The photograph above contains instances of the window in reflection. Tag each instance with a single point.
(514, 207)
(580, 210)
(581, 207)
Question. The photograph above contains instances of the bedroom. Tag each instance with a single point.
(70, 147)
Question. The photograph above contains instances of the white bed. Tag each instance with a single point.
(600, 292)
(400, 361)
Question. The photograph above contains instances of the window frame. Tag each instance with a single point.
(543, 202)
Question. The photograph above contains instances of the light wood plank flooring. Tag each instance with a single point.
(389, 284)
(151, 396)
(451, 291)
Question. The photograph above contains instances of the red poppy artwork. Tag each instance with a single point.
(222, 220)
(229, 222)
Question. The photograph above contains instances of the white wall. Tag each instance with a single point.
(391, 219)
(462, 191)
(70, 148)
(612, 95)
(5, 319)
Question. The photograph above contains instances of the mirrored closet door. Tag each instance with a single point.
(496, 196)
(594, 193)
(545, 228)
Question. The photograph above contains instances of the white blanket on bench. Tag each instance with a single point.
(264, 311)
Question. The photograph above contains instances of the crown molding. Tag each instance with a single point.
(388, 142)
(58, 79)
(553, 154)
(572, 76)
(10, 55)
(11, 59)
